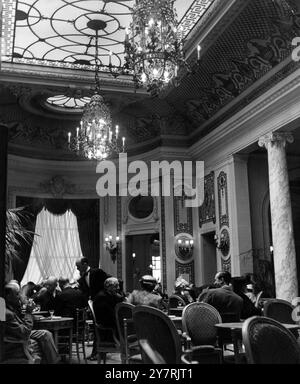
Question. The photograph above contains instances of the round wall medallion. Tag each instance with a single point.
(225, 242)
(141, 207)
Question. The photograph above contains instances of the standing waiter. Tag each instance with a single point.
(91, 282)
(91, 279)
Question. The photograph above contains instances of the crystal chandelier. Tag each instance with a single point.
(153, 49)
(94, 138)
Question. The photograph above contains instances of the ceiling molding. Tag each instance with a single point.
(212, 24)
(62, 78)
(274, 110)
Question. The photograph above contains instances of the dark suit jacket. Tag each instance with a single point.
(97, 278)
(67, 302)
(46, 300)
(17, 334)
(104, 308)
(224, 300)
(248, 309)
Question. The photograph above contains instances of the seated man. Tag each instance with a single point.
(69, 299)
(145, 295)
(20, 341)
(47, 296)
(248, 309)
(228, 303)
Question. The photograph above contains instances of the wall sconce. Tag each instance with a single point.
(112, 247)
(223, 244)
(184, 245)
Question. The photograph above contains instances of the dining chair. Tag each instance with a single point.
(258, 297)
(197, 355)
(128, 340)
(280, 310)
(198, 320)
(106, 338)
(267, 341)
(79, 336)
(28, 358)
(157, 328)
(174, 302)
(152, 355)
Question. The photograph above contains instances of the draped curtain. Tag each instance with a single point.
(56, 247)
(87, 215)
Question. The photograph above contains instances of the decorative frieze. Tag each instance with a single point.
(223, 199)
(207, 211)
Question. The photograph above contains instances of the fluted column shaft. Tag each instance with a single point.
(281, 215)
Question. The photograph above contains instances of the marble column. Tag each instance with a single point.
(281, 215)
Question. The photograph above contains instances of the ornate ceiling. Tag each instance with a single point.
(59, 33)
(244, 54)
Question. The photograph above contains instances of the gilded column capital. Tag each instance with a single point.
(275, 138)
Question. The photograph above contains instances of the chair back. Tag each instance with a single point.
(90, 303)
(267, 341)
(156, 327)
(80, 321)
(257, 301)
(198, 320)
(202, 355)
(124, 311)
(280, 310)
(126, 330)
(107, 341)
(152, 355)
(175, 301)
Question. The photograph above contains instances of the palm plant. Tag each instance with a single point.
(17, 232)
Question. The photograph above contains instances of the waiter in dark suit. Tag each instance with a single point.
(90, 283)
(91, 279)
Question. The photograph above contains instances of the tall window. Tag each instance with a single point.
(55, 249)
(156, 267)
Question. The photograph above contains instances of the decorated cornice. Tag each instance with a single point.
(63, 77)
(218, 16)
(275, 109)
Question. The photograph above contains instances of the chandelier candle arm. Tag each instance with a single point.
(198, 51)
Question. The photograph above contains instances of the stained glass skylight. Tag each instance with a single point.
(68, 102)
(56, 32)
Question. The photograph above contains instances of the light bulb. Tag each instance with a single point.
(198, 51)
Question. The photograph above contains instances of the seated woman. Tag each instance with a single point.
(183, 290)
(105, 302)
(248, 308)
(145, 295)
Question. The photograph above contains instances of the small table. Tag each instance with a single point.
(41, 313)
(54, 325)
(236, 335)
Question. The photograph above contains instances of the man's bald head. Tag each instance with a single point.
(12, 293)
(82, 265)
(51, 283)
